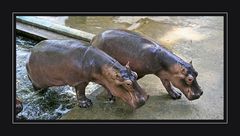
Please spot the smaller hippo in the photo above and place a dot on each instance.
(73, 63)
(148, 57)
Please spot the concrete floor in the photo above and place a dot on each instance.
(199, 39)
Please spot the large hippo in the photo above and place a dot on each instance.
(70, 62)
(148, 57)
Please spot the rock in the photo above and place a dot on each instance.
(19, 106)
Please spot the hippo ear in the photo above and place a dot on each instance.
(190, 62)
(135, 74)
(127, 65)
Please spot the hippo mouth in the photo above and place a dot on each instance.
(131, 98)
(191, 95)
(137, 102)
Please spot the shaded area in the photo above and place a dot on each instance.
(94, 24)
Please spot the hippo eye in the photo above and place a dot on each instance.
(128, 82)
(184, 71)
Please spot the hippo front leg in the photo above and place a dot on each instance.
(172, 92)
(84, 102)
(110, 97)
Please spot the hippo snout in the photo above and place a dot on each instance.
(196, 96)
(141, 103)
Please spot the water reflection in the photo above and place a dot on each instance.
(94, 24)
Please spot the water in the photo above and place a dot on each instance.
(41, 106)
(89, 24)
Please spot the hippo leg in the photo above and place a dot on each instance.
(172, 92)
(35, 88)
(111, 98)
(41, 90)
(84, 102)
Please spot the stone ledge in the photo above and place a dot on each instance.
(60, 29)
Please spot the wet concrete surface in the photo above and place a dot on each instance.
(158, 107)
(199, 39)
(91, 24)
(196, 38)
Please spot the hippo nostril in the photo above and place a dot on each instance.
(196, 96)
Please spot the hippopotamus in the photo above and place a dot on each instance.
(145, 56)
(74, 63)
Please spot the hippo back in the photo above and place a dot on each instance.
(126, 46)
(59, 61)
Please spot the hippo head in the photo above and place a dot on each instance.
(123, 84)
(184, 78)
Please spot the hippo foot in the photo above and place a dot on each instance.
(111, 100)
(40, 90)
(175, 95)
(85, 103)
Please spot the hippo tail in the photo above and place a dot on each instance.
(27, 68)
(28, 72)
(27, 62)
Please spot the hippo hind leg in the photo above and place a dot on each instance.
(84, 102)
(40, 90)
(35, 88)
(172, 92)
